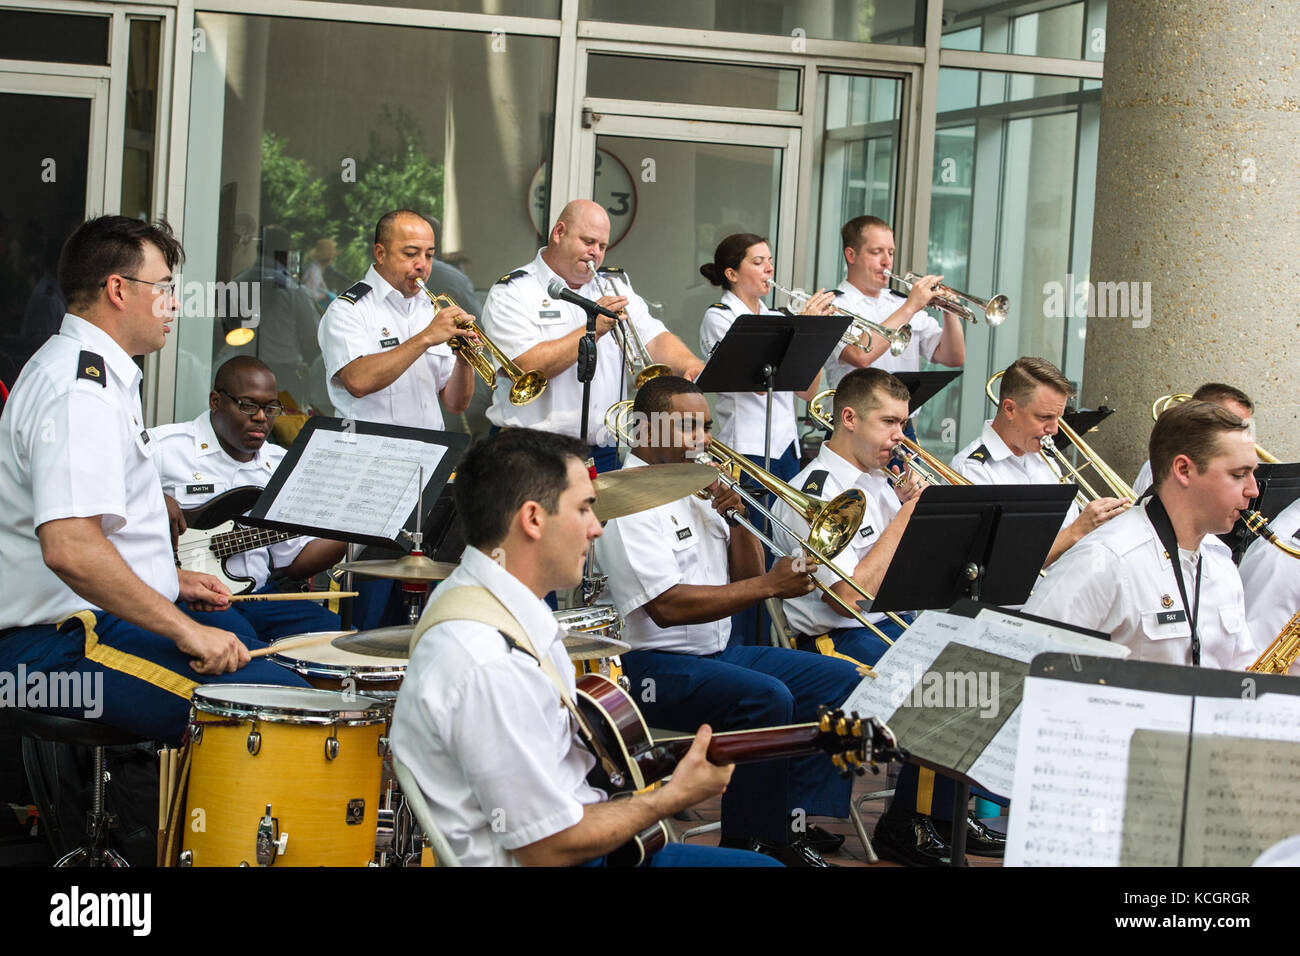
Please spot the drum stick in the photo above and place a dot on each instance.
(296, 596)
(292, 644)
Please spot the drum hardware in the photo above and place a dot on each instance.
(331, 748)
(271, 843)
(186, 858)
(525, 387)
(948, 299)
(254, 743)
(898, 338)
(639, 364)
(356, 811)
(1161, 404)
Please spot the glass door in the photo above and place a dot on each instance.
(674, 188)
(48, 184)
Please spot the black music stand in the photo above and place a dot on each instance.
(1082, 420)
(772, 353)
(925, 385)
(1279, 485)
(984, 542)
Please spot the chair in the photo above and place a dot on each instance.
(414, 798)
(35, 726)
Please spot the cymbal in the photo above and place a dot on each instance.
(392, 642)
(412, 567)
(589, 647)
(625, 492)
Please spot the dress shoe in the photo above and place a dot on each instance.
(980, 840)
(910, 839)
(797, 854)
(822, 840)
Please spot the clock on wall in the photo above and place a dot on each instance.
(615, 190)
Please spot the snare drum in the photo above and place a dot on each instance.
(371, 663)
(288, 776)
(592, 639)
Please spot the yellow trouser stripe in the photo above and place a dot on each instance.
(925, 791)
(129, 664)
(826, 646)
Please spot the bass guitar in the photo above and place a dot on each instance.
(214, 535)
(853, 744)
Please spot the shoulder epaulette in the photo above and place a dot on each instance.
(815, 481)
(511, 276)
(718, 305)
(90, 365)
(358, 291)
(979, 454)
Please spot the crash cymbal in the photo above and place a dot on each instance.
(393, 642)
(590, 647)
(625, 492)
(412, 567)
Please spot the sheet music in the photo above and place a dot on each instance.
(905, 663)
(1072, 769)
(355, 483)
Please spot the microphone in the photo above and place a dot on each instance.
(558, 290)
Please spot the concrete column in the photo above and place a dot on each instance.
(1198, 202)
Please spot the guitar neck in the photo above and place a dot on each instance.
(247, 539)
(736, 746)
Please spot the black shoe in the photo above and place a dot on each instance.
(910, 839)
(796, 854)
(980, 840)
(822, 840)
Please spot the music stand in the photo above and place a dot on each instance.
(1279, 485)
(1082, 420)
(925, 385)
(984, 542)
(772, 353)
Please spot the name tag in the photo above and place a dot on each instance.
(550, 314)
(683, 534)
(144, 436)
(387, 343)
(1171, 617)
(866, 531)
(200, 489)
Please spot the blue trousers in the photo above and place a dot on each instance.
(751, 626)
(271, 620)
(690, 854)
(142, 681)
(747, 687)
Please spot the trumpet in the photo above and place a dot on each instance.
(831, 524)
(1162, 404)
(640, 366)
(947, 298)
(1118, 487)
(525, 387)
(898, 338)
(931, 469)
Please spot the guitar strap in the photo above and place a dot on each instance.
(483, 607)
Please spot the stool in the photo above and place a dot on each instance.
(35, 726)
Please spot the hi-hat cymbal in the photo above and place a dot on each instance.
(625, 492)
(412, 567)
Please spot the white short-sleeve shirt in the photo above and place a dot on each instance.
(1272, 580)
(826, 476)
(926, 332)
(1118, 580)
(195, 468)
(741, 417)
(75, 446)
(520, 313)
(483, 729)
(373, 317)
(645, 554)
(988, 461)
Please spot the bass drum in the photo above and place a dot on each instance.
(284, 776)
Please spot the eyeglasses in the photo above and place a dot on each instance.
(249, 408)
(161, 286)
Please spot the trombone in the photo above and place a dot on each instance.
(525, 387)
(931, 469)
(898, 338)
(640, 366)
(831, 524)
(947, 298)
(1119, 488)
(1162, 404)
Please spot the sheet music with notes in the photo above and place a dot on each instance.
(907, 669)
(1116, 776)
(357, 483)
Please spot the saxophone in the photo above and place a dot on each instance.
(1281, 654)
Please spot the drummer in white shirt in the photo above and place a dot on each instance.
(869, 252)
